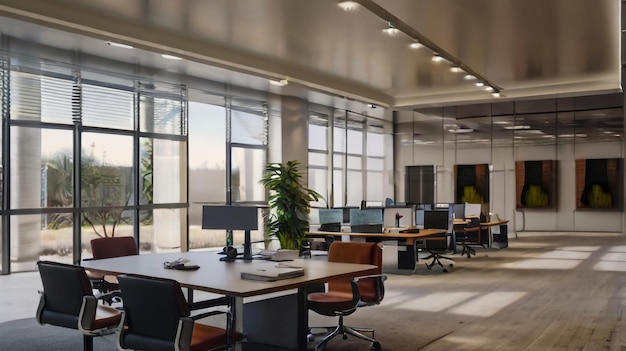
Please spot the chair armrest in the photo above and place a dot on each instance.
(380, 286)
(195, 317)
(220, 301)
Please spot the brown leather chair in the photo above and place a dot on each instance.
(67, 300)
(344, 296)
(157, 317)
(110, 247)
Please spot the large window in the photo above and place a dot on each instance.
(361, 159)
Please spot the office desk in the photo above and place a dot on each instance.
(460, 223)
(224, 278)
(489, 225)
(406, 260)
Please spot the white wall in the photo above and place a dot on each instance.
(502, 181)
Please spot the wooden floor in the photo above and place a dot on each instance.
(545, 292)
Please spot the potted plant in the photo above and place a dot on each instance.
(287, 218)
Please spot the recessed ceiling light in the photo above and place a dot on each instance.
(489, 88)
(119, 45)
(437, 58)
(517, 127)
(456, 69)
(460, 130)
(170, 57)
(391, 30)
(416, 45)
(480, 84)
(371, 105)
(469, 77)
(348, 5)
(280, 83)
(496, 94)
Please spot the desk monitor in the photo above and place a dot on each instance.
(330, 227)
(233, 218)
(366, 216)
(437, 219)
(330, 215)
(398, 216)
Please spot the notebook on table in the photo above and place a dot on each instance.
(271, 272)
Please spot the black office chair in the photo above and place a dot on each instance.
(157, 317)
(437, 247)
(469, 234)
(344, 296)
(67, 301)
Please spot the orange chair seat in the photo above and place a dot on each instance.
(329, 303)
(105, 317)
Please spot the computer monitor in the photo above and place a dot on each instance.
(398, 216)
(437, 219)
(472, 210)
(330, 215)
(366, 216)
(232, 218)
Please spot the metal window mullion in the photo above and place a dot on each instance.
(229, 171)
(136, 166)
(6, 190)
(76, 156)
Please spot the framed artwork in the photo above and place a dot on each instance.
(599, 183)
(472, 184)
(535, 184)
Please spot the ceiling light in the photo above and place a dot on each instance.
(489, 88)
(391, 30)
(460, 130)
(496, 94)
(437, 58)
(371, 105)
(480, 84)
(280, 83)
(119, 45)
(416, 45)
(456, 69)
(517, 127)
(469, 77)
(348, 5)
(170, 57)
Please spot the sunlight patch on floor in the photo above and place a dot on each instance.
(488, 304)
(565, 254)
(539, 263)
(617, 248)
(436, 302)
(610, 266)
(580, 248)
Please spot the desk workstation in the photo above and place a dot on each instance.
(224, 278)
(407, 259)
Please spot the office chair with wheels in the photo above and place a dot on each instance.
(157, 317)
(67, 300)
(344, 296)
(437, 248)
(110, 247)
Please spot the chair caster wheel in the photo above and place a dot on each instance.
(376, 346)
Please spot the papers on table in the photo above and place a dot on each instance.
(271, 272)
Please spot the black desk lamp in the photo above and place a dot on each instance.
(232, 218)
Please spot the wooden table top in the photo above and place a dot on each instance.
(225, 277)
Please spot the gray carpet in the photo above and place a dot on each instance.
(27, 335)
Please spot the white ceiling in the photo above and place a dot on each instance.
(529, 48)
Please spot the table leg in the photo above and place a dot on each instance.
(303, 319)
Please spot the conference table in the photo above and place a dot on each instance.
(224, 278)
(406, 259)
